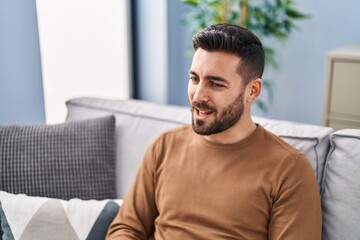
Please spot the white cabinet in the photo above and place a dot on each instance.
(342, 91)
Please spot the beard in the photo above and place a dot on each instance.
(225, 119)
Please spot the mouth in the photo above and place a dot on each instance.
(201, 113)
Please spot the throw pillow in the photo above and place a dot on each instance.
(24, 217)
(71, 160)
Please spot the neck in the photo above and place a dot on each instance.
(239, 131)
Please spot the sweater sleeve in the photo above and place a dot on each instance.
(135, 219)
(296, 212)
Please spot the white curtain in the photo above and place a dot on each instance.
(84, 47)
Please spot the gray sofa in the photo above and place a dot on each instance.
(334, 156)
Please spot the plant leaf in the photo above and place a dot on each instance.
(191, 2)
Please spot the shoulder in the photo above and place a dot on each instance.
(175, 134)
(183, 129)
(286, 157)
(278, 143)
(167, 144)
(171, 137)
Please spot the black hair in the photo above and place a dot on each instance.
(235, 40)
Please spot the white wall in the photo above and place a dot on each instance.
(84, 51)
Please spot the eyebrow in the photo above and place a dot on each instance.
(210, 77)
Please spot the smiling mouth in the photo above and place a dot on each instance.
(203, 112)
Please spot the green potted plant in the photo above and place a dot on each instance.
(266, 18)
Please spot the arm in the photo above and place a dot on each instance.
(135, 219)
(296, 213)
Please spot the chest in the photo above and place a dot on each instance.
(226, 189)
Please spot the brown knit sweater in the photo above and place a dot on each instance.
(190, 188)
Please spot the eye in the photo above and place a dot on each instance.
(194, 79)
(216, 85)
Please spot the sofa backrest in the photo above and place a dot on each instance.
(340, 194)
(139, 122)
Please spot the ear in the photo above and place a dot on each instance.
(254, 90)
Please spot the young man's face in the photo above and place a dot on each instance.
(215, 91)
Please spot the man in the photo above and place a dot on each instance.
(224, 177)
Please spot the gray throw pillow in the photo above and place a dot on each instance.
(65, 161)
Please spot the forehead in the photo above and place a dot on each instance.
(215, 62)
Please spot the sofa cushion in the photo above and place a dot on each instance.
(137, 124)
(25, 217)
(310, 139)
(341, 187)
(72, 160)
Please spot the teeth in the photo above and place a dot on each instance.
(204, 112)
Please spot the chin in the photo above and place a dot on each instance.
(198, 126)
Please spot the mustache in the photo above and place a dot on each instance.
(202, 105)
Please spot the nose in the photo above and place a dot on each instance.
(201, 93)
